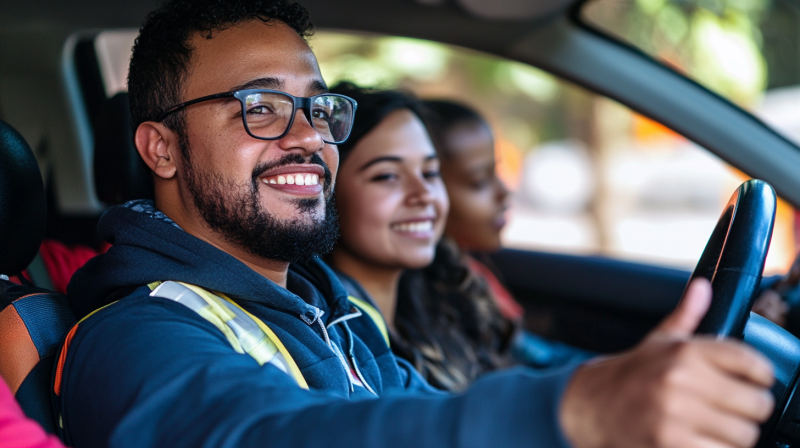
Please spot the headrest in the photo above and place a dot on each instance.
(23, 208)
(119, 173)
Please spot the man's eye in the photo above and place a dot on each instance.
(320, 114)
(259, 110)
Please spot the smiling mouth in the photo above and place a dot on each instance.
(292, 179)
(414, 227)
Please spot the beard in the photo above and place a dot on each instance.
(235, 211)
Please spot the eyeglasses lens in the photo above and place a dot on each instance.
(268, 115)
(332, 117)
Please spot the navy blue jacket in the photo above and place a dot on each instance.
(149, 372)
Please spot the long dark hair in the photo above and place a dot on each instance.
(448, 324)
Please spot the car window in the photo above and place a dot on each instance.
(589, 175)
(747, 51)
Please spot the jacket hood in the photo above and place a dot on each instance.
(145, 250)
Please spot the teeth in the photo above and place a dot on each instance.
(414, 227)
(294, 179)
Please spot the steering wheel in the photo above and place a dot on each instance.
(733, 261)
(734, 257)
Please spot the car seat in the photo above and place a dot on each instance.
(97, 62)
(120, 174)
(33, 321)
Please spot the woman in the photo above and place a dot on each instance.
(478, 202)
(393, 209)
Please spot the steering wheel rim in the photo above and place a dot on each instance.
(733, 260)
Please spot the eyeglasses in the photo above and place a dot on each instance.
(269, 114)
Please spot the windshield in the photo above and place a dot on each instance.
(745, 50)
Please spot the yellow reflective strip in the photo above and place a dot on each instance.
(373, 314)
(264, 352)
(208, 313)
(219, 309)
(295, 371)
(272, 341)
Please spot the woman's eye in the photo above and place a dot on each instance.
(384, 177)
(432, 174)
(480, 184)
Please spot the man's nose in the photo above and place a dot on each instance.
(302, 134)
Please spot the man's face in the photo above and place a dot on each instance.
(228, 175)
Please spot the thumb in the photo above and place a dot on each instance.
(690, 311)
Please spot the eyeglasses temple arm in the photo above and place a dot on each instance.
(194, 101)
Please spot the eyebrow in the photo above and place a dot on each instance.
(261, 83)
(316, 86)
(393, 159)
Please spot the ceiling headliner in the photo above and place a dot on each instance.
(479, 24)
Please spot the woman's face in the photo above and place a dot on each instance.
(391, 200)
(478, 198)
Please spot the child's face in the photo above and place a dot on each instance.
(478, 198)
(391, 200)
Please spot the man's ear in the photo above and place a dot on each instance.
(157, 145)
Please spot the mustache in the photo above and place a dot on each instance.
(293, 159)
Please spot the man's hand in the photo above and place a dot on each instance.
(674, 390)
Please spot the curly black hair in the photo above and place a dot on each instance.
(162, 54)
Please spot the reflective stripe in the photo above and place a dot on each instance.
(245, 332)
(373, 314)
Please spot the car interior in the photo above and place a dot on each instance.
(60, 169)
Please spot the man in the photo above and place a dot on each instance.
(243, 184)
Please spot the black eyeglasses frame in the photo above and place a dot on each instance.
(303, 103)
